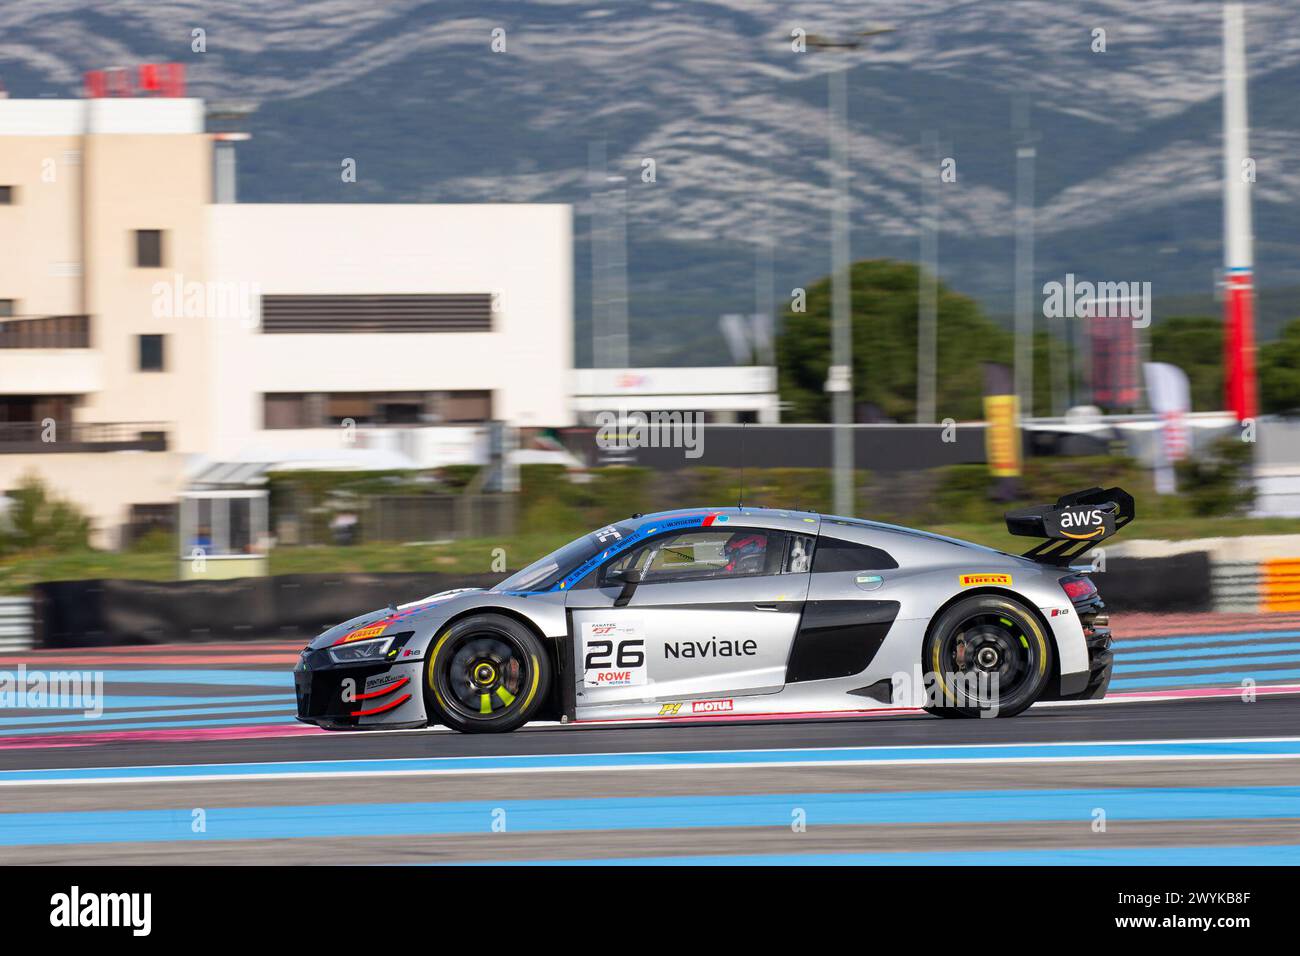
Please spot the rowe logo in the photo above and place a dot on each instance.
(712, 706)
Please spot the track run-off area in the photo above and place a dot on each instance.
(196, 758)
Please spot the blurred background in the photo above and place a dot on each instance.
(315, 289)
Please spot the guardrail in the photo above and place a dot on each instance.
(39, 437)
(16, 624)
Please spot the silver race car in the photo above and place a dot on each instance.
(742, 612)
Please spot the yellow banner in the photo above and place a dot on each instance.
(1002, 439)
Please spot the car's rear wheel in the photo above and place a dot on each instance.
(486, 674)
(986, 655)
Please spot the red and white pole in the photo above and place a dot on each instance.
(1241, 391)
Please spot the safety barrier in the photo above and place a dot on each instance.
(98, 613)
(1279, 584)
(1266, 586)
(16, 624)
(1176, 583)
(1236, 586)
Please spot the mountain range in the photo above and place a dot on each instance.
(1127, 174)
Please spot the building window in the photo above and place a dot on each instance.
(148, 248)
(149, 519)
(151, 353)
(8, 195)
(465, 407)
(8, 308)
(327, 409)
(442, 312)
(284, 411)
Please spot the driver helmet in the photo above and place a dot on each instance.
(741, 545)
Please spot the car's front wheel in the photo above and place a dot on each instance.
(986, 655)
(487, 673)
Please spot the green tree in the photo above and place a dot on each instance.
(1195, 344)
(1217, 481)
(1279, 371)
(36, 520)
(884, 302)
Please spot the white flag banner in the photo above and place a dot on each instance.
(1170, 398)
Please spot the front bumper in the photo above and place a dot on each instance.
(374, 695)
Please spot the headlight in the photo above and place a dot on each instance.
(371, 650)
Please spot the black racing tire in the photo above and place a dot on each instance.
(486, 674)
(979, 638)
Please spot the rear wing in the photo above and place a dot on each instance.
(1077, 522)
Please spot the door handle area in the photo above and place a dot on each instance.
(766, 607)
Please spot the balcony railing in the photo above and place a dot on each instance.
(35, 437)
(45, 332)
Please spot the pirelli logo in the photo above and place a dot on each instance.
(373, 631)
(975, 580)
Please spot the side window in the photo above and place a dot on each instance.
(834, 554)
(799, 554)
(705, 554)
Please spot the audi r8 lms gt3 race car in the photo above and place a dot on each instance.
(737, 611)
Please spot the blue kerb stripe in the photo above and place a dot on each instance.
(92, 723)
(649, 813)
(1121, 667)
(1124, 644)
(94, 727)
(1117, 856)
(1235, 651)
(116, 702)
(236, 678)
(685, 759)
(1201, 680)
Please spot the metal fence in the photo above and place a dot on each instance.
(69, 437)
(437, 517)
(16, 624)
(46, 332)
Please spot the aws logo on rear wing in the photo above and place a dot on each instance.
(1080, 524)
(1074, 524)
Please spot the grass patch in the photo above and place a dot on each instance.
(19, 572)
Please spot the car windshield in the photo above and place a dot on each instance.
(544, 573)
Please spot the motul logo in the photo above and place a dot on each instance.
(712, 706)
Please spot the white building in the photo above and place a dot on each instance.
(147, 331)
(388, 316)
(723, 394)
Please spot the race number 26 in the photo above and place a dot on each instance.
(625, 653)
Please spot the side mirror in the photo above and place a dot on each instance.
(630, 578)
